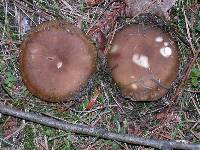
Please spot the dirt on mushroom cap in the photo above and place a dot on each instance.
(145, 61)
(56, 60)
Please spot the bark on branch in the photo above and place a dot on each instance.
(97, 132)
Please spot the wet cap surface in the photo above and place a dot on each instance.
(56, 60)
(145, 61)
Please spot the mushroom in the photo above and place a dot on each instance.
(144, 61)
(56, 60)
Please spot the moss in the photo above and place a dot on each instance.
(29, 137)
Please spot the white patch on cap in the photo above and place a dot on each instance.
(32, 56)
(140, 60)
(134, 86)
(166, 51)
(132, 77)
(59, 65)
(114, 49)
(159, 39)
(166, 43)
(35, 50)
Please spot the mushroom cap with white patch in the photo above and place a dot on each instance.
(144, 62)
(56, 60)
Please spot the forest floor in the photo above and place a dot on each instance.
(147, 119)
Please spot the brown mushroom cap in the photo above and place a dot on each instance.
(144, 61)
(56, 60)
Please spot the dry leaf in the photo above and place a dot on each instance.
(158, 7)
(10, 127)
(92, 101)
(98, 36)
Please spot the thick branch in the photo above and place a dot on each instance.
(98, 132)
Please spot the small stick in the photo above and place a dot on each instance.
(193, 91)
(97, 132)
(179, 90)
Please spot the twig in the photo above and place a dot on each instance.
(98, 132)
(195, 105)
(189, 39)
(43, 13)
(192, 91)
(179, 89)
(6, 142)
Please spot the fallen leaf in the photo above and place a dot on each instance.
(10, 126)
(161, 116)
(98, 36)
(157, 7)
(92, 101)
